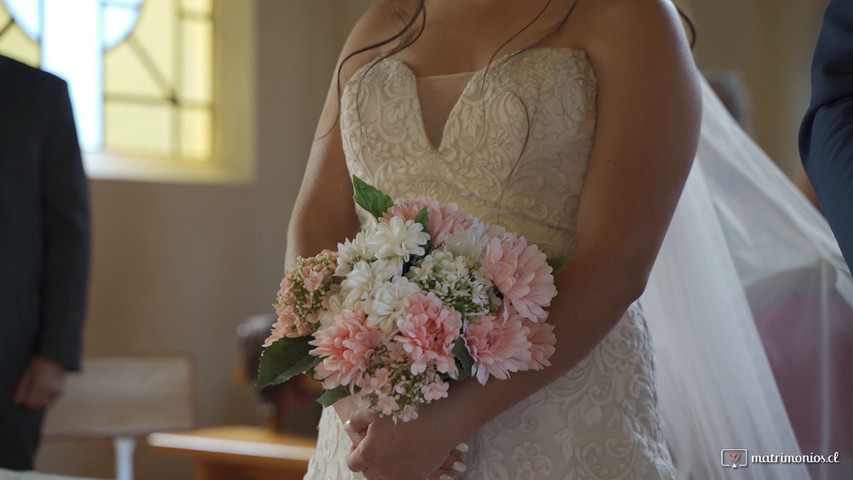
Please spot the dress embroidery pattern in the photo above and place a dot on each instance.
(514, 152)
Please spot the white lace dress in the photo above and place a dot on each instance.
(514, 151)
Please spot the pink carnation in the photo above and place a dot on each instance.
(347, 347)
(428, 331)
(442, 219)
(522, 274)
(497, 348)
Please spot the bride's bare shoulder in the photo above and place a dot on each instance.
(380, 22)
(628, 27)
(605, 17)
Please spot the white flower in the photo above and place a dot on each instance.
(334, 307)
(359, 283)
(397, 239)
(386, 304)
(471, 242)
(455, 281)
(352, 251)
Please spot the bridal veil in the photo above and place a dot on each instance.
(749, 283)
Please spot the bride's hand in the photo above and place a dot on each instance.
(345, 409)
(403, 451)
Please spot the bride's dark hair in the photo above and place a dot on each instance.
(409, 34)
(419, 16)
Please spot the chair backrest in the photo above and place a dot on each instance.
(125, 396)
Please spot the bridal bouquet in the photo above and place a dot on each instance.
(423, 295)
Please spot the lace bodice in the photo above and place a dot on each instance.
(514, 150)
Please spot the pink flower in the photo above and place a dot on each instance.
(379, 383)
(408, 414)
(522, 274)
(318, 270)
(347, 347)
(428, 331)
(435, 391)
(280, 330)
(442, 219)
(314, 279)
(386, 404)
(497, 348)
(288, 324)
(542, 341)
(302, 296)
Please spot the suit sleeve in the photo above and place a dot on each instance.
(66, 238)
(826, 135)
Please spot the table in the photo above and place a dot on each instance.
(12, 475)
(238, 452)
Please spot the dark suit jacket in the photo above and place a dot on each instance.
(826, 135)
(44, 223)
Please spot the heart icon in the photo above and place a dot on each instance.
(734, 456)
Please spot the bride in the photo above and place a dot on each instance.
(574, 123)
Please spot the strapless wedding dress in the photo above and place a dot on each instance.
(513, 151)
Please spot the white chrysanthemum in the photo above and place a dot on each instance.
(454, 281)
(471, 242)
(351, 252)
(334, 306)
(397, 239)
(386, 304)
(359, 283)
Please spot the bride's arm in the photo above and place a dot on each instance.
(324, 211)
(646, 135)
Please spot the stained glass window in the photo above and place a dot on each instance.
(140, 71)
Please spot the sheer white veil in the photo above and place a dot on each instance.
(747, 266)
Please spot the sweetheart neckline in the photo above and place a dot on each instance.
(410, 74)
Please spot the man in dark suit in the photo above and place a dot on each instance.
(826, 136)
(44, 253)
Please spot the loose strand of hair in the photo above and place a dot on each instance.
(419, 12)
(691, 27)
(408, 24)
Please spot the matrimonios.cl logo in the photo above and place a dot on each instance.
(734, 457)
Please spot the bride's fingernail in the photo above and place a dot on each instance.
(462, 447)
(445, 476)
(347, 426)
(459, 467)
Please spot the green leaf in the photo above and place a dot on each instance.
(329, 397)
(423, 218)
(464, 361)
(557, 263)
(371, 198)
(285, 359)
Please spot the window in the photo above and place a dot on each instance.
(141, 75)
